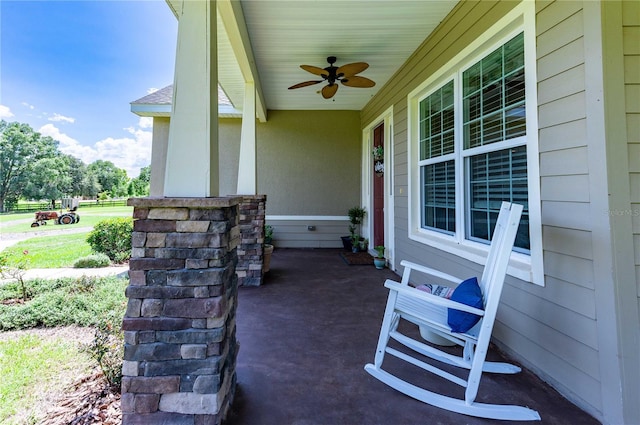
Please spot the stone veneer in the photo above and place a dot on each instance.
(251, 248)
(179, 327)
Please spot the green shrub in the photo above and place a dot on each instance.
(92, 261)
(85, 301)
(112, 237)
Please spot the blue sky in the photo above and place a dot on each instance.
(70, 68)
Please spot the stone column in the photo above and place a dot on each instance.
(180, 345)
(251, 248)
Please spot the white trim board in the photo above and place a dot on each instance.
(307, 217)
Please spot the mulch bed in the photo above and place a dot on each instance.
(90, 401)
(357, 258)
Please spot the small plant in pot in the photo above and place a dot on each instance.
(268, 234)
(379, 261)
(356, 214)
(355, 242)
(268, 247)
(364, 244)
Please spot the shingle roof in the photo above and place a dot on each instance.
(158, 97)
(164, 96)
(159, 103)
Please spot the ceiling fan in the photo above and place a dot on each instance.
(346, 74)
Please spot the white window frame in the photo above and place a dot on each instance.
(525, 266)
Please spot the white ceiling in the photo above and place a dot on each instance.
(284, 34)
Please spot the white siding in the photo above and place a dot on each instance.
(295, 233)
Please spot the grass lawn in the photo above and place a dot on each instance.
(59, 251)
(11, 217)
(31, 368)
(39, 364)
(46, 252)
(21, 223)
(36, 363)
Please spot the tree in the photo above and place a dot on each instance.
(111, 178)
(139, 186)
(49, 179)
(20, 149)
(90, 185)
(77, 173)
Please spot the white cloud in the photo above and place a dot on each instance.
(69, 145)
(5, 112)
(58, 118)
(145, 122)
(127, 153)
(152, 90)
(27, 105)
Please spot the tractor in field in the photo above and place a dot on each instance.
(69, 217)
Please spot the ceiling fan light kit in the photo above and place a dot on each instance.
(346, 74)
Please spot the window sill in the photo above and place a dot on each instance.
(519, 267)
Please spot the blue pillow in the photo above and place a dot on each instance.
(469, 293)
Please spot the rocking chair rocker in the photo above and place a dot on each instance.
(431, 312)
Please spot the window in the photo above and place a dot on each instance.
(495, 177)
(438, 174)
(473, 144)
(493, 113)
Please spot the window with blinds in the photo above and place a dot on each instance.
(495, 177)
(493, 99)
(488, 151)
(437, 144)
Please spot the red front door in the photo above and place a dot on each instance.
(378, 192)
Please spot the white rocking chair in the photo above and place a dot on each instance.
(430, 312)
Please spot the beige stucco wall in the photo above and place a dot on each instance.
(159, 143)
(572, 331)
(308, 161)
(229, 148)
(309, 168)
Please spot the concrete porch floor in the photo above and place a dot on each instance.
(306, 334)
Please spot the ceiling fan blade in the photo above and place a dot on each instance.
(358, 82)
(352, 69)
(305, 84)
(315, 70)
(329, 91)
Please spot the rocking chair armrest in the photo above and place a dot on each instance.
(408, 265)
(430, 298)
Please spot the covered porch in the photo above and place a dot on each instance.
(306, 334)
(570, 306)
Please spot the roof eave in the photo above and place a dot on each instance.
(149, 110)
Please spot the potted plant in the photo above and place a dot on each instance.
(355, 242)
(268, 247)
(356, 214)
(364, 244)
(268, 234)
(379, 261)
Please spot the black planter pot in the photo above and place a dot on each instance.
(346, 242)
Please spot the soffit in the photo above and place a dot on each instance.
(284, 34)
